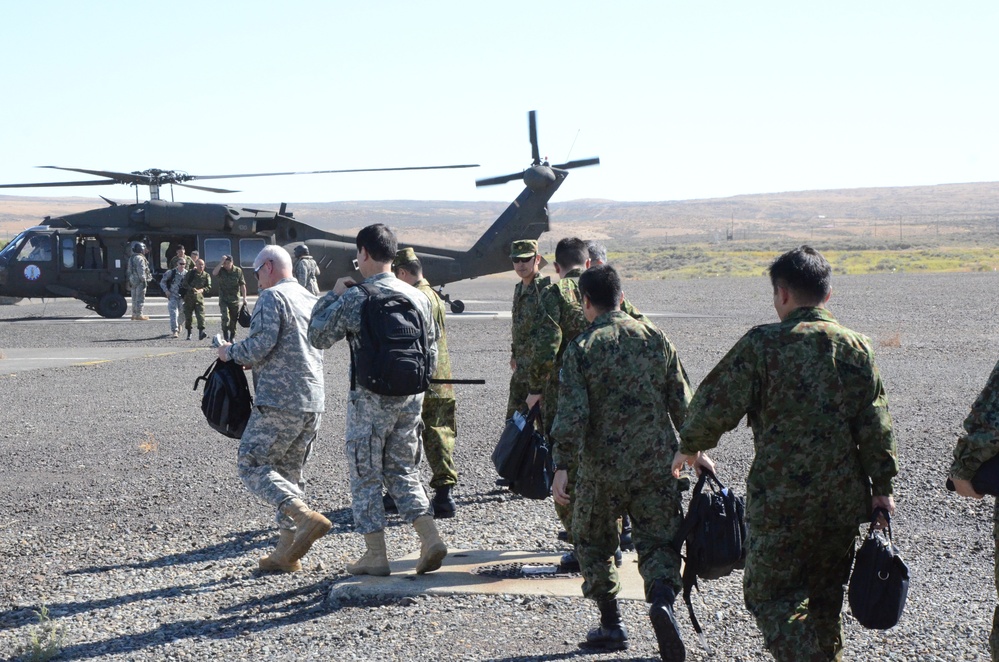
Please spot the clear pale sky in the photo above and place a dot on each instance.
(679, 100)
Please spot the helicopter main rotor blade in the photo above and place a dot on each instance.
(492, 181)
(532, 125)
(91, 182)
(119, 177)
(205, 188)
(580, 163)
(328, 172)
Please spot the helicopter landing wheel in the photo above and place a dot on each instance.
(457, 306)
(111, 305)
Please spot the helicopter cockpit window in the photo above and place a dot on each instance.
(12, 246)
(248, 251)
(215, 249)
(68, 245)
(37, 249)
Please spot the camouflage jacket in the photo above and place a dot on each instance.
(822, 432)
(337, 317)
(443, 369)
(307, 272)
(621, 386)
(171, 283)
(626, 307)
(138, 270)
(196, 281)
(980, 441)
(287, 370)
(229, 284)
(563, 321)
(528, 317)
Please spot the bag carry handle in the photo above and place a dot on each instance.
(205, 376)
(874, 521)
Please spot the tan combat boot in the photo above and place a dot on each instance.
(374, 561)
(432, 548)
(278, 561)
(310, 526)
(142, 318)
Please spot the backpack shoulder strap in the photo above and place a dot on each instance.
(205, 376)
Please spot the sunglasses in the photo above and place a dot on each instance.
(256, 272)
(523, 260)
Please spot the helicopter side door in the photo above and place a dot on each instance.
(33, 268)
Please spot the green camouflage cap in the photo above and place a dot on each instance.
(404, 256)
(524, 248)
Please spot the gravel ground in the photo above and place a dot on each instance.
(124, 517)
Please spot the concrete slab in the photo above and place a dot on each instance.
(485, 571)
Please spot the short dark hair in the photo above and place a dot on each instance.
(602, 286)
(571, 252)
(379, 241)
(415, 267)
(597, 251)
(804, 272)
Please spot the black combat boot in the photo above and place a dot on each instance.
(664, 622)
(201, 334)
(442, 503)
(188, 334)
(611, 635)
(627, 544)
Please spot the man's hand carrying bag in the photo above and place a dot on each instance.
(880, 580)
(523, 457)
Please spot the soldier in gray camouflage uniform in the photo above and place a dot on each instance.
(979, 444)
(306, 270)
(138, 279)
(171, 283)
(825, 455)
(621, 391)
(288, 405)
(383, 431)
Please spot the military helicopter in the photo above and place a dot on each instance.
(85, 255)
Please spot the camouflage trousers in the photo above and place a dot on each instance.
(383, 448)
(175, 308)
(230, 311)
(518, 392)
(138, 298)
(196, 308)
(439, 429)
(793, 586)
(653, 501)
(272, 455)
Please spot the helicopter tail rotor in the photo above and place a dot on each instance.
(538, 174)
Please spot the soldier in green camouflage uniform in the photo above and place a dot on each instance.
(979, 444)
(622, 390)
(439, 424)
(196, 282)
(289, 399)
(528, 316)
(825, 455)
(563, 321)
(598, 256)
(232, 286)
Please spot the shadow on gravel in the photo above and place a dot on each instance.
(107, 340)
(258, 615)
(571, 654)
(240, 544)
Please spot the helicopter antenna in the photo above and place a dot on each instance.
(573, 144)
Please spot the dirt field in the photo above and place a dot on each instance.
(125, 517)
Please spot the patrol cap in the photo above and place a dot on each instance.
(524, 248)
(404, 256)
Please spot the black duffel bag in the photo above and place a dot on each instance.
(879, 584)
(226, 402)
(523, 457)
(243, 316)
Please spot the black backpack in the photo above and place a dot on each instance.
(715, 531)
(393, 356)
(226, 402)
